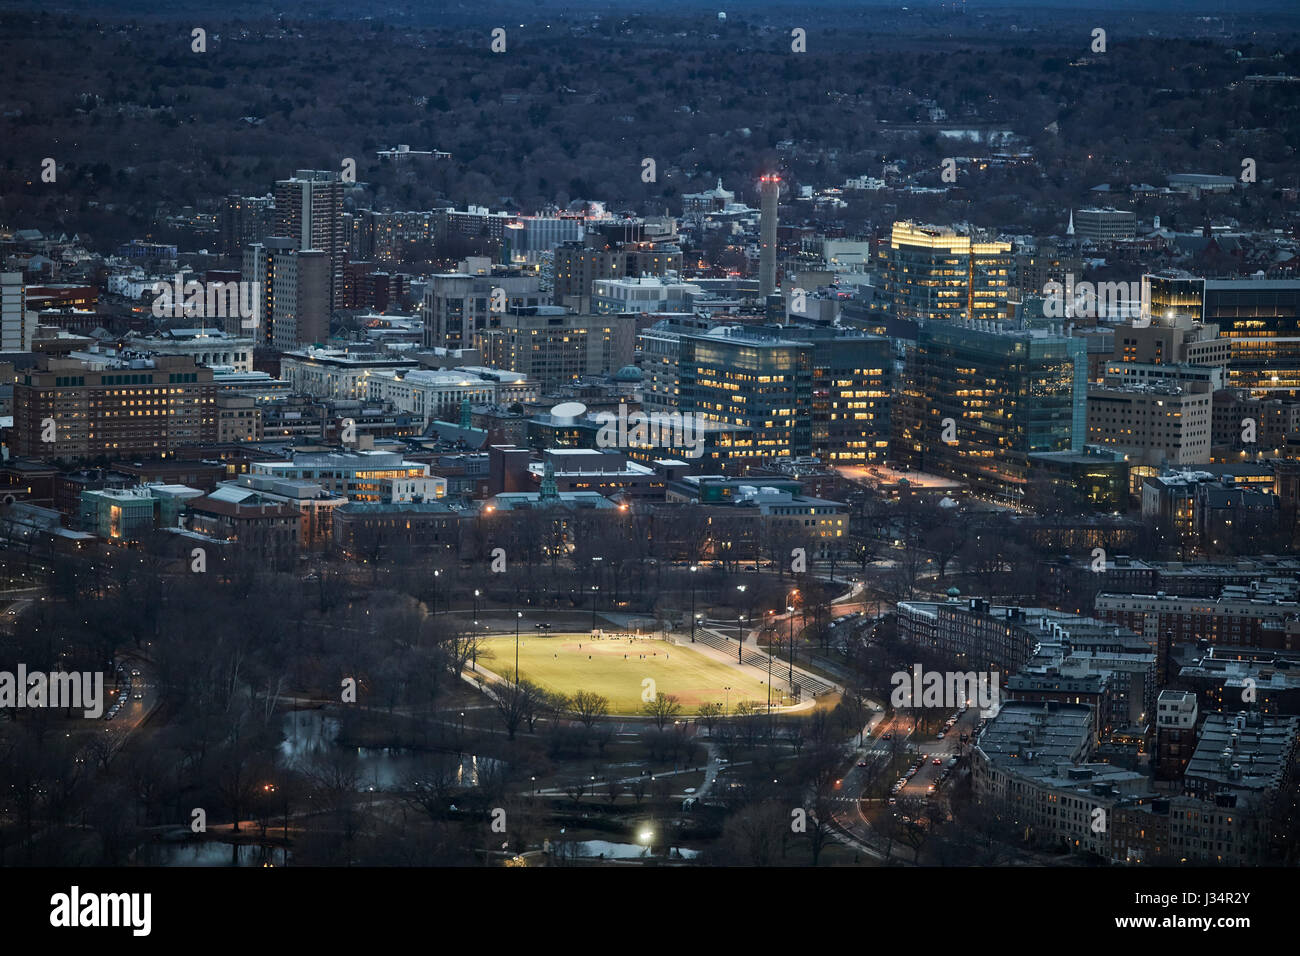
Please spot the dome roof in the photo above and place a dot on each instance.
(628, 373)
(954, 592)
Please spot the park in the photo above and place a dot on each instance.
(616, 666)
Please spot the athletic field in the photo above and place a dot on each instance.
(616, 667)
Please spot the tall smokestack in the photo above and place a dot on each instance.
(770, 186)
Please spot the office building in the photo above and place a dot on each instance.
(936, 273)
(527, 238)
(139, 408)
(643, 294)
(754, 378)
(852, 395)
(1155, 423)
(457, 306)
(554, 348)
(978, 399)
(612, 250)
(1261, 320)
(1177, 339)
(17, 324)
(334, 373)
(1102, 225)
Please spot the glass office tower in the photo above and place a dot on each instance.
(751, 378)
(979, 400)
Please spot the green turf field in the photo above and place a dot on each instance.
(556, 663)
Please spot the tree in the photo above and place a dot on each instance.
(589, 707)
(514, 702)
(709, 712)
(662, 709)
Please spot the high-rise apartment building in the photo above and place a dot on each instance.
(388, 236)
(293, 288)
(245, 219)
(937, 273)
(1035, 269)
(309, 210)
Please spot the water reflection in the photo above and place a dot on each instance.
(211, 853)
(603, 849)
(312, 736)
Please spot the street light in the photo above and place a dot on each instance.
(740, 638)
(694, 568)
(436, 572)
(518, 616)
(594, 589)
(476, 594)
(769, 688)
(726, 706)
(790, 614)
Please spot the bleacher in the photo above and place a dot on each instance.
(803, 682)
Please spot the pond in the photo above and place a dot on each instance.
(311, 736)
(210, 853)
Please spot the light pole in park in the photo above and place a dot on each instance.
(518, 617)
(594, 589)
(789, 610)
(769, 686)
(740, 637)
(477, 592)
(436, 572)
(694, 568)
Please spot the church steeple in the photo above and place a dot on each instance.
(1069, 230)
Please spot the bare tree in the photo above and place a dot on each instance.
(589, 707)
(662, 709)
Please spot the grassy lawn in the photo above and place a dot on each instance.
(616, 669)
